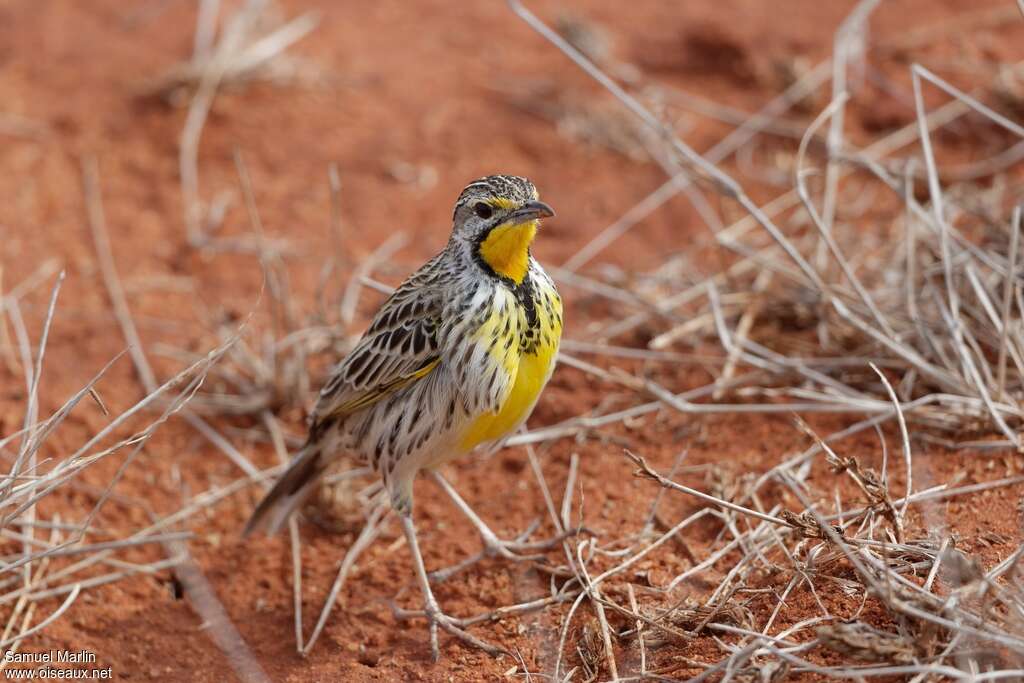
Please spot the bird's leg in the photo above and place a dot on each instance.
(493, 545)
(431, 610)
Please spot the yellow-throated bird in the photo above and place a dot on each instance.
(455, 358)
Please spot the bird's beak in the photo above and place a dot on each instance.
(531, 211)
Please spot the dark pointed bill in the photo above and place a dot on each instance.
(531, 211)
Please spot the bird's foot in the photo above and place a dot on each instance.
(436, 618)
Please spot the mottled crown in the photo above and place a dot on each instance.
(515, 189)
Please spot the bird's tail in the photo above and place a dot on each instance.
(290, 491)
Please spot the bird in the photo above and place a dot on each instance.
(452, 362)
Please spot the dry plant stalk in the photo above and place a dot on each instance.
(936, 307)
(243, 49)
(19, 494)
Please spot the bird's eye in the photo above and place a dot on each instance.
(483, 210)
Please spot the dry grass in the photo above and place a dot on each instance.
(30, 575)
(250, 46)
(936, 303)
(920, 332)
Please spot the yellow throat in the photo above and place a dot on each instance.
(506, 249)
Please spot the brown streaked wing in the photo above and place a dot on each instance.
(401, 346)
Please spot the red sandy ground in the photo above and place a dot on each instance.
(403, 84)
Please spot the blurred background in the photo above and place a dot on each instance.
(224, 192)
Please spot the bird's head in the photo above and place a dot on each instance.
(498, 217)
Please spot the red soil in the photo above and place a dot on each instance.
(400, 85)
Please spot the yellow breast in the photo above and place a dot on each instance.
(530, 370)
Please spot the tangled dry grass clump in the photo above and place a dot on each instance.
(877, 284)
(33, 541)
(814, 316)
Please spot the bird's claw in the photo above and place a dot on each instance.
(435, 618)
